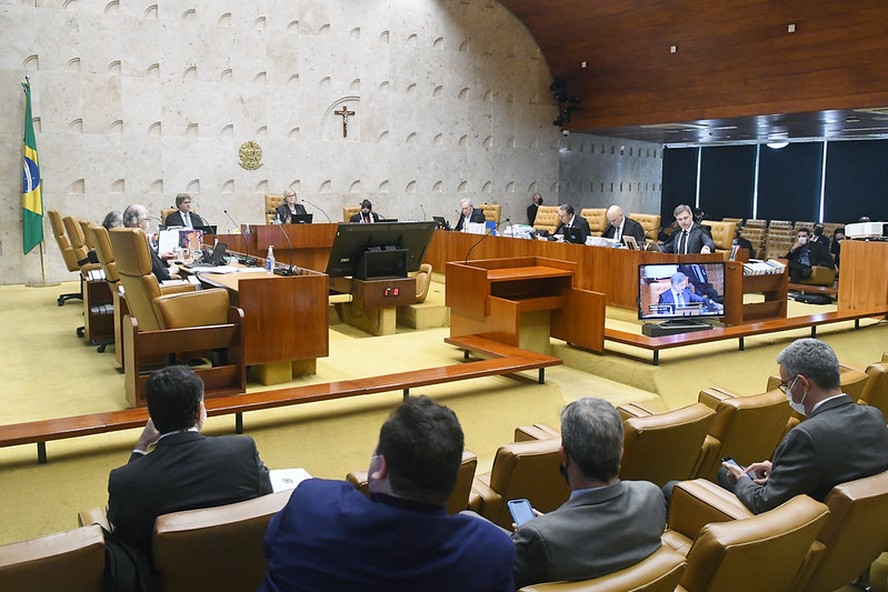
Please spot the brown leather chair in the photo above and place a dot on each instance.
(459, 498)
(423, 281)
(665, 446)
(730, 556)
(820, 276)
(547, 218)
(650, 223)
(164, 213)
(722, 235)
(169, 324)
(747, 429)
(348, 212)
(659, 572)
(215, 548)
(597, 219)
(68, 256)
(492, 212)
(875, 392)
(70, 561)
(272, 203)
(520, 470)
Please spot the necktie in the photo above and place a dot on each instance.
(683, 243)
(617, 234)
(679, 299)
(186, 220)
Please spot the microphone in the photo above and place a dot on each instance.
(246, 259)
(318, 208)
(289, 270)
(477, 242)
(236, 225)
(424, 216)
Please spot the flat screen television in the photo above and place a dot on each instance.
(684, 292)
(388, 249)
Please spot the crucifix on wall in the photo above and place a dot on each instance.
(345, 114)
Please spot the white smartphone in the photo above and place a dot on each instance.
(521, 511)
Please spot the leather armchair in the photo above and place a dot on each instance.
(423, 281)
(63, 561)
(722, 234)
(521, 470)
(492, 212)
(875, 392)
(745, 428)
(216, 548)
(820, 276)
(597, 219)
(547, 218)
(659, 572)
(68, 256)
(650, 223)
(459, 498)
(349, 211)
(164, 213)
(170, 324)
(272, 203)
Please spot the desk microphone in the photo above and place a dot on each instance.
(236, 225)
(289, 270)
(486, 234)
(318, 208)
(246, 259)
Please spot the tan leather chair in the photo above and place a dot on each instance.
(875, 392)
(650, 223)
(722, 234)
(70, 561)
(659, 572)
(459, 498)
(164, 213)
(853, 537)
(547, 219)
(665, 446)
(492, 212)
(169, 324)
(597, 219)
(272, 203)
(521, 470)
(68, 256)
(215, 548)
(730, 556)
(349, 211)
(747, 429)
(423, 281)
(820, 276)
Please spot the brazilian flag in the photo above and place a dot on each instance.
(32, 192)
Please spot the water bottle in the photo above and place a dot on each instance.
(269, 260)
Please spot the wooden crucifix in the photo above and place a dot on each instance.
(344, 113)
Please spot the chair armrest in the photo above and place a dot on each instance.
(94, 515)
(491, 501)
(696, 503)
(360, 481)
(715, 395)
(631, 410)
(537, 431)
(176, 288)
(194, 309)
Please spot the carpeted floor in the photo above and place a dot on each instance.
(48, 372)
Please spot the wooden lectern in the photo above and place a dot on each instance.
(522, 301)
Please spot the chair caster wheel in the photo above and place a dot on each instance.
(80, 332)
(101, 349)
(61, 301)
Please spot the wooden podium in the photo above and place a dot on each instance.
(522, 301)
(863, 275)
(773, 286)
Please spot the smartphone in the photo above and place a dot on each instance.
(731, 461)
(521, 511)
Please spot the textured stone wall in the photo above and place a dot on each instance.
(137, 101)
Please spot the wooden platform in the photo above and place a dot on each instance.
(505, 359)
(739, 332)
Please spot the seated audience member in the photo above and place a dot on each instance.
(743, 243)
(285, 212)
(536, 202)
(570, 220)
(836, 246)
(679, 294)
(819, 237)
(699, 278)
(113, 219)
(366, 215)
(186, 470)
(331, 537)
(689, 237)
(468, 214)
(804, 254)
(619, 226)
(607, 524)
(839, 441)
(136, 216)
(183, 216)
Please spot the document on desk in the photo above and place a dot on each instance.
(284, 479)
(223, 269)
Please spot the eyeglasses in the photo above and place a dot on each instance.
(787, 384)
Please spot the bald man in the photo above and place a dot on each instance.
(619, 226)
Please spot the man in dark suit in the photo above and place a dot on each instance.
(570, 220)
(743, 243)
(607, 524)
(332, 537)
(819, 237)
(366, 215)
(183, 216)
(839, 441)
(619, 226)
(699, 278)
(804, 254)
(537, 201)
(680, 295)
(688, 237)
(186, 470)
(475, 215)
(136, 216)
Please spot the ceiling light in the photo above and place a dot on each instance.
(777, 145)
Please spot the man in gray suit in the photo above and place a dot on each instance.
(607, 524)
(839, 441)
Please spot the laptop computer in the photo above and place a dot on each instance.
(301, 218)
(207, 229)
(630, 242)
(574, 235)
(213, 260)
(441, 222)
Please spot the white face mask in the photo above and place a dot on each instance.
(803, 240)
(797, 407)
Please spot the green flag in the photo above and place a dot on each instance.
(32, 192)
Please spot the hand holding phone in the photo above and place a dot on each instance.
(521, 511)
(734, 463)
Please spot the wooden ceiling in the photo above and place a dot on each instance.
(685, 71)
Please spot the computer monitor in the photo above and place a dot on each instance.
(381, 241)
(574, 235)
(702, 295)
(301, 218)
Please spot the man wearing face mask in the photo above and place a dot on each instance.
(819, 238)
(607, 524)
(838, 442)
(804, 254)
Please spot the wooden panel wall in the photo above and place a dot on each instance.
(733, 59)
